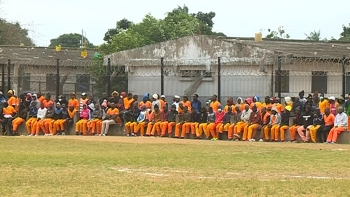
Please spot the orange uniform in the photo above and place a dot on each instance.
(215, 105)
(127, 102)
(147, 104)
(74, 103)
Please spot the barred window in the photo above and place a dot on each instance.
(284, 81)
(319, 81)
(50, 82)
(82, 83)
(195, 73)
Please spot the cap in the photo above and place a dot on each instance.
(176, 96)
(288, 108)
(83, 94)
(1, 93)
(72, 93)
(331, 98)
(34, 95)
(274, 109)
(115, 92)
(155, 96)
(184, 96)
(10, 92)
(163, 96)
(196, 95)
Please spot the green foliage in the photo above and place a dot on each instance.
(70, 40)
(279, 34)
(123, 24)
(345, 35)
(14, 34)
(315, 36)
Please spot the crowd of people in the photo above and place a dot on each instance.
(315, 118)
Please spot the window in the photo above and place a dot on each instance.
(82, 83)
(284, 81)
(195, 73)
(347, 83)
(50, 82)
(319, 81)
(25, 82)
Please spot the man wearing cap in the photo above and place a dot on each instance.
(333, 105)
(163, 101)
(82, 101)
(176, 102)
(196, 104)
(114, 99)
(12, 101)
(73, 101)
(155, 101)
(284, 124)
(340, 125)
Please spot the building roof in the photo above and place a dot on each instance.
(42, 55)
(299, 48)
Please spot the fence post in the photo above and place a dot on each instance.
(344, 62)
(279, 79)
(162, 76)
(3, 77)
(57, 78)
(8, 75)
(108, 77)
(219, 79)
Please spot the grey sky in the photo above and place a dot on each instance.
(48, 19)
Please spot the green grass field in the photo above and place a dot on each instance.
(121, 166)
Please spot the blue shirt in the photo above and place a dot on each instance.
(196, 104)
(33, 111)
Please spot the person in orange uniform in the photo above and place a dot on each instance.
(59, 125)
(243, 123)
(265, 120)
(12, 100)
(55, 126)
(273, 126)
(145, 102)
(33, 112)
(340, 125)
(240, 104)
(48, 121)
(110, 119)
(163, 101)
(73, 101)
(41, 98)
(69, 118)
(40, 119)
(185, 124)
(132, 117)
(277, 104)
(284, 123)
(9, 112)
(216, 129)
(146, 115)
(256, 101)
(186, 103)
(297, 122)
(20, 118)
(154, 126)
(230, 105)
(81, 125)
(169, 123)
(253, 124)
(267, 103)
(164, 120)
(236, 119)
(214, 103)
(127, 101)
(323, 131)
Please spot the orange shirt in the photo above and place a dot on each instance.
(279, 108)
(329, 120)
(74, 103)
(47, 103)
(233, 108)
(112, 112)
(41, 99)
(147, 104)
(187, 104)
(12, 101)
(258, 105)
(72, 113)
(266, 105)
(323, 105)
(265, 118)
(127, 102)
(214, 105)
(241, 106)
(273, 119)
(9, 110)
(162, 104)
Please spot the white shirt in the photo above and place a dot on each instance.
(156, 102)
(41, 113)
(177, 105)
(246, 115)
(341, 120)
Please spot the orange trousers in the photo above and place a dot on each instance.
(282, 132)
(239, 127)
(194, 128)
(36, 127)
(293, 132)
(209, 129)
(333, 134)
(185, 129)
(219, 127)
(30, 125)
(16, 122)
(130, 127)
(149, 128)
(248, 131)
(140, 127)
(273, 129)
(167, 126)
(58, 125)
(201, 128)
(156, 128)
(81, 126)
(95, 126)
(230, 133)
(46, 125)
(313, 132)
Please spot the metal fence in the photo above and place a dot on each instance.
(227, 77)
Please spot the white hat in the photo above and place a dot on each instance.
(83, 94)
(155, 96)
(163, 96)
(34, 95)
(274, 109)
(331, 98)
(1, 93)
(176, 96)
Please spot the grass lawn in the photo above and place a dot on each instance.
(121, 166)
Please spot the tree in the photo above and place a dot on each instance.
(123, 24)
(279, 34)
(345, 35)
(14, 34)
(315, 36)
(70, 40)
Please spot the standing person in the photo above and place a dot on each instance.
(307, 121)
(170, 122)
(267, 103)
(70, 118)
(340, 125)
(20, 118)
(297, 105)
(62, 100)
(230, 105)
(323, 131)
(40, 119)
(46, 123)
(202, 122)
(73, 101)
(55, 127)
(284, 123)
(48, 101)
(210, 122)
(41, 98)
(219, 120)
(214, 103)
(317, 122)
(33, 112)
(127, 101)
(273, 126)
(155, 101)
(177, 102)
(111, 119)
(333, 105)
(196, 104)
(253, 124)
(8, 113)
(133, 113)
(81, 125)
(323, 104)
(83, 101)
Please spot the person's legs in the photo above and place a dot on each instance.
(274, 132)
(109, 123)
(29, 125)
(325, 132)
(103, 130)
(171, 125)
(337, 131)
(3, 124)
(84, 127)
(266, 132)
(52, 129)
(9, 124)
(127, 128)
(330, 135)
(99, 126)
(230, 131)
(245, 133)
(252, 128)
(16, 122)
(164, 127)
(212, 127)
(301, 130)
(293, 132)
(313, 132)
(177, 129)
(282, 132)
